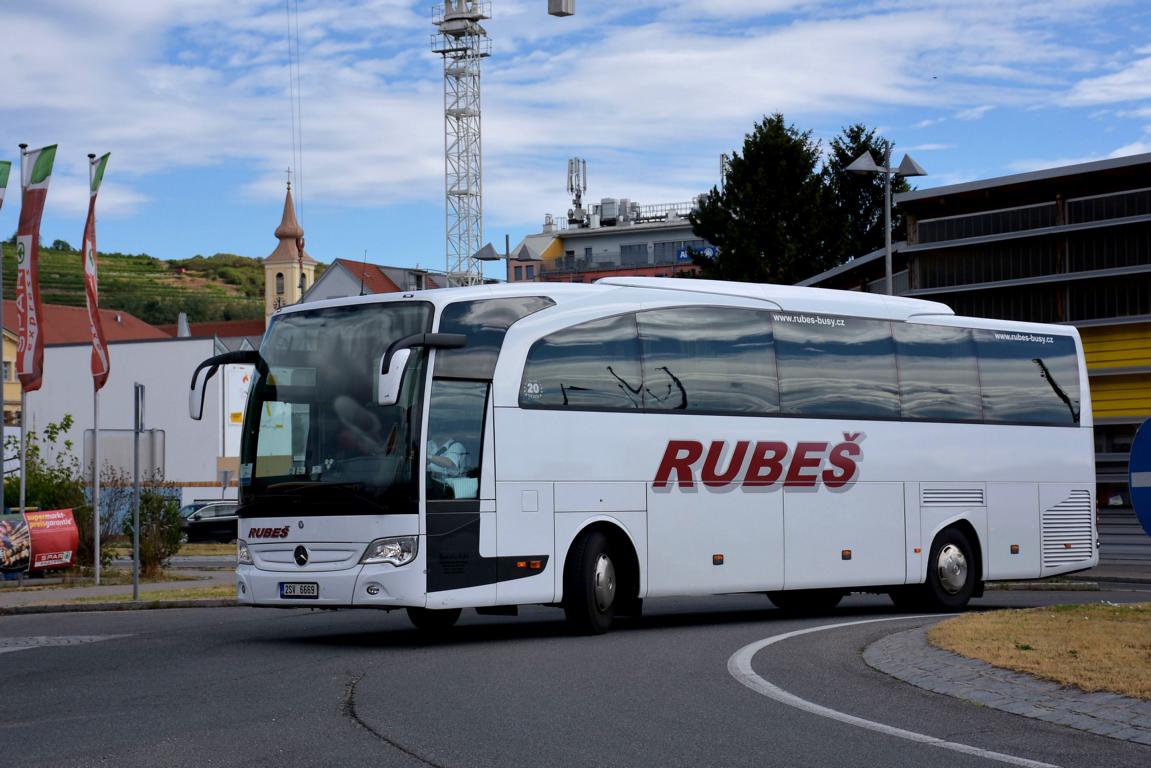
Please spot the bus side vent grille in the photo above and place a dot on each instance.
(1067, 530)
(952, 497)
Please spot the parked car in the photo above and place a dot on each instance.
(208, 521)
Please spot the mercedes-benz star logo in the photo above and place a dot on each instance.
(301, 556)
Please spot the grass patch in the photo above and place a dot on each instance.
(188, 550)
(108, 577)
(1096, 647)
(201, 550)
(217, 592)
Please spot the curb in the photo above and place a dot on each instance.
(1042, 586)
(139, 605)
(909, 657)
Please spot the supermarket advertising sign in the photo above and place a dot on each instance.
(38, 541)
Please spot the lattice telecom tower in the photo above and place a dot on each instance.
(463, 43)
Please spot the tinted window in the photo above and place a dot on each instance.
(594, 365)
(835, 366)
(484, 323)
(708, 359)
(455, 439)
(938, 372)
(1028, 378)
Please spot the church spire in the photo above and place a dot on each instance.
(290, 235)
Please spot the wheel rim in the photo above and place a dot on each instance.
(952, 567)
(604, 588)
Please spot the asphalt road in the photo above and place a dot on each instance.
(259, 687)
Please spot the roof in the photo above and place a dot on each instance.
(223, 329)
(1132, 170)
(69, 325)
(372, 276)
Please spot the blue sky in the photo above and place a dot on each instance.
(191, 98)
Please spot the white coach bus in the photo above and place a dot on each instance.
(589, 446)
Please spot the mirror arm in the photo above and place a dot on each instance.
(430, 340)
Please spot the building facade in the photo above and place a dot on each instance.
(1067, 245)
(616, 238)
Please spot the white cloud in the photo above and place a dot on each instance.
(1131, 83)
(974, 113)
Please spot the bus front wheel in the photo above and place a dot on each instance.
(431, 620)
(590, 585)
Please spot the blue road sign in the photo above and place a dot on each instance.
(1139, 479)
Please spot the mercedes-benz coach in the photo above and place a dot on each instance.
(589, 446)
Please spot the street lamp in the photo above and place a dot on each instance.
(865, 163)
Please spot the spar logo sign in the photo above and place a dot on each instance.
(761, 463)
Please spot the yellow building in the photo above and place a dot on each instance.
(11, 383)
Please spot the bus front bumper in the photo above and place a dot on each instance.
(361, 586)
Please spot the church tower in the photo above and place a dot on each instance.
(289, 270)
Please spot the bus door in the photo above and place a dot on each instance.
(463, 557)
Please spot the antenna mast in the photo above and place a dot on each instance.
(464, 44)
(577, 186)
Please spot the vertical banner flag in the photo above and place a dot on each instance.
(5, 169)
(100, 364)
(36, 170)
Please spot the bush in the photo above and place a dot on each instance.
(159, 526)
(53, 481)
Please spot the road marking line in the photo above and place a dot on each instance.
(739, 666)
(12, 644)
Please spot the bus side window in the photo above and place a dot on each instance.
(938, 372)
(835, 366)
(591, 365)
(714, 359)
(1028, 378)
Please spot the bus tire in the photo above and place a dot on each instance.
(806, 601)
(951, 575)
(590, 585)
(432, 620)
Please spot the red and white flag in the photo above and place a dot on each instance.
(100, 362)
(5, 169)
(36, 170)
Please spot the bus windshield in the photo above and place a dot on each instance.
(314, 436)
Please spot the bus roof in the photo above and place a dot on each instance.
(785, 297)
(795, 298)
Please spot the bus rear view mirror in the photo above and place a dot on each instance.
(208, 369)
(392, 377)
(395, 361)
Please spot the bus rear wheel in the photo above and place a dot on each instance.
(590, 585)
(806, 600)
(951, 576)
(431, 620)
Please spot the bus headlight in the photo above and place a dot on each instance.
(243, 556)
(397, 550)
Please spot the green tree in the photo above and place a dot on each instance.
(52, 473)
(856, 199)
(62, 245)
(769, 220)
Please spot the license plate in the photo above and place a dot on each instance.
(300, 589)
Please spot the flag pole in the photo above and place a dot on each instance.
(23, 394)
(95, 433)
